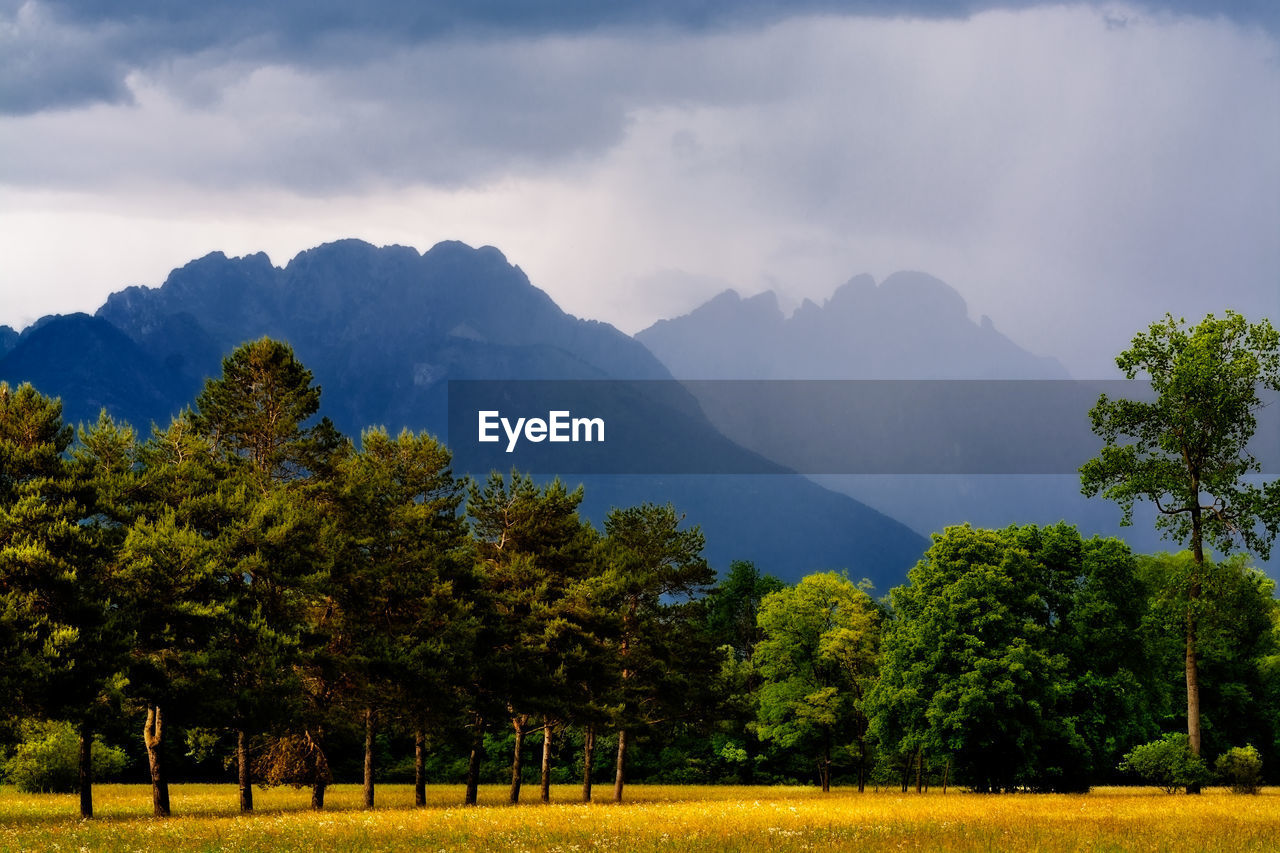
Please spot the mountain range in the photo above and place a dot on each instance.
(910, 326)
(384, 330)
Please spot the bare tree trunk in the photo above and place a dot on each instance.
(619, 776)
(946, 776)
(1193, 594)
(321, 784)
(824, 765)
(368, 758)
(588, 756)
(419, 769)
(473, 765)
(86, 769)
(242, 766)
(919, 767)
(862, 764)
(152, 737)
(546, 761)
(517, 757)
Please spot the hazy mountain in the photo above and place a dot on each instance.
(383, 330)
(911, 326)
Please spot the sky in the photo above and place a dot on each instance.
(1073, 170)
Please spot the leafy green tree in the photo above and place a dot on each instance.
(1236, 637)
(1241, 766)
(47, 759)
(968, 669)
(1187, 452)
(1113, 700)
(817, 661)
(1168, 762)
(650, 563)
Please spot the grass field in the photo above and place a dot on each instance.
(668, 818)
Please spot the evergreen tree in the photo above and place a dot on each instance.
(32, 441)
(60, 535)
(651, 563)
(405, 545)
(255, 414)
(177, 580)
(531, 547)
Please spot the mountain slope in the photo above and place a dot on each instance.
(384, 330)
(92, 365)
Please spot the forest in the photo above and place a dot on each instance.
(247, 595)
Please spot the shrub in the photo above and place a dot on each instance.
(1242, 769)
(1168, 762)
(47, 760)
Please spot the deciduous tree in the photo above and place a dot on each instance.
(1187, 452)
(817, 661)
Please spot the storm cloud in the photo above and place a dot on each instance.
(1074, 171)
(66, 53)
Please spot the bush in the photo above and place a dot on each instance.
(1241, 767)
(1168, 762)
(47, 760)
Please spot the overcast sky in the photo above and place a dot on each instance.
(1073, 170)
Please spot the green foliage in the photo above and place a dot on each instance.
(533, 553)
(661, 656)
(817, 661)
(1241, 766)
(256, 410)
(1237, 646)
(47, 760)
(653, 568)
(32, 437)
(246, 571)
(400, 628)
(1187, 451)
(1168, 763)
(1191, 442)
(732, 605)
(269, 525)
(1013, 652)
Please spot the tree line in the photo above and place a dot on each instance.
(255, 582)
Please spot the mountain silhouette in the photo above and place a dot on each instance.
(384, 330)
(911, 326)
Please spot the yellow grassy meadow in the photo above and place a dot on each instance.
(666, 818)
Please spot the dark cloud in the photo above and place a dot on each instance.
(1073, 170)
(63, 53)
